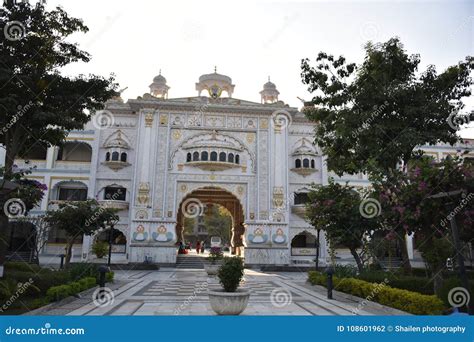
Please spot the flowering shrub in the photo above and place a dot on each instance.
(215, 254)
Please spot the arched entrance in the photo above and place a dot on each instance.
(198, 201)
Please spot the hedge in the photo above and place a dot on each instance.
(56, 293)
(408, 301)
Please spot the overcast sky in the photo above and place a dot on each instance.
(251, 40)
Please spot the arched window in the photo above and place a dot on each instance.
(107, 156)
(230, 158)
(237, 159)
(115, 156)
(196, 156)
(204, 155)
(305, 162)
(297, 163)
(188, 157)
(312, 164)
(123, 157)
(213, 156)
(222, 157)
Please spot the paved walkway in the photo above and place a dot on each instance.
(174, 291)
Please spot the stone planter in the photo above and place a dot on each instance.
(228, 303)
(212, 268)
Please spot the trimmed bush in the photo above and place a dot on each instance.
(409, 301)
(230, 273)
(56, 293)
(399, 281)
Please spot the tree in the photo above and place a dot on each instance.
(80, 218)
(377, 113)
(218, 222)
(339, 210)
(40, 238)
(408, 206)
(38, 105)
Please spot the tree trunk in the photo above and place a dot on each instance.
(67, 258)
(358, 261)
(404, 251)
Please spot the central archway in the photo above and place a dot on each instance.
(195, 203)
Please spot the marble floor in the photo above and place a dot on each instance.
(173, 291)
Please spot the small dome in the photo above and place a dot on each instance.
(269, 85)
(159, 79)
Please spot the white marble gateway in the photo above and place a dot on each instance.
(160, 159)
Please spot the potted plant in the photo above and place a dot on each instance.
(100, 248)
(230, 300)
(214, 258)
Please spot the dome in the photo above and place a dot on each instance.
(215, 77)
(159, 88)
(215, 84)
(269, 94)
(159, 79)
(269, 85)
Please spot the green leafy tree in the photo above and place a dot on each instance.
(375, 114)
(218, 222)
(39, 105)
(336, 209)
(80, 218)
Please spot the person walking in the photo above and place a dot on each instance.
(198, 247)
(202, 247)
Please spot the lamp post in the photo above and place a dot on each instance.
(457, 243)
